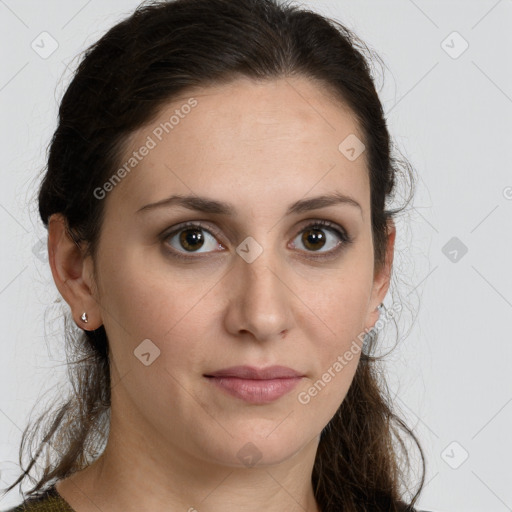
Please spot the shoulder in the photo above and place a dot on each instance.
(46, 501)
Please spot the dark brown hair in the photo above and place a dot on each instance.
(138, 66)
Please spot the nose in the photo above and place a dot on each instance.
(260, 301)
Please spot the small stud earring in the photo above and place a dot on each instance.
(84, 317)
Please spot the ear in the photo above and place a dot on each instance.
(72, 273)
(382, 279)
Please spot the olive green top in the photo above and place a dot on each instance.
(49, 501)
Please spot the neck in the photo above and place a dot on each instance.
(151, 478)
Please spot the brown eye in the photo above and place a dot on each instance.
(320, 234)
(313, 238)
(190, 238)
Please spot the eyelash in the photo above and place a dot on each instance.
(345, 238)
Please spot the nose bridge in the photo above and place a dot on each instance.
(260, 275)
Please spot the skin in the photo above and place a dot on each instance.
(174, 437)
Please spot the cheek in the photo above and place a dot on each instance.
(140, 296)
(341, 308)
(140, 303)
(335, 347)
(342, 302)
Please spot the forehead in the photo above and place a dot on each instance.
(270, 138)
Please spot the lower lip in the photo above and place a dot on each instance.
(256, 391)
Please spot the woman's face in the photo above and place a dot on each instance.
(252, 287)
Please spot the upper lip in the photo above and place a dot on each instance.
(251, 372)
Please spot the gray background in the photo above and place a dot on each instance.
(449, 112)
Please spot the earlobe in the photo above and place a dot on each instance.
(68, 266)
(382, 279)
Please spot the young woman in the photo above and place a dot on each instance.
(215, 200)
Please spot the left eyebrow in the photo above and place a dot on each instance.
(207, 205)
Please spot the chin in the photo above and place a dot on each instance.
(256, 450)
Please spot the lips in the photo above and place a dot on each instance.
(256, 385)
(250, 372)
